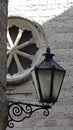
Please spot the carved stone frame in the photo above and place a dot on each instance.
(38, 38)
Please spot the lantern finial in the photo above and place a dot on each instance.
(48, 55)
(48, 50)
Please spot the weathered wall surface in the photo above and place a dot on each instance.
(3, 100)
(56, 18)
(3, 26)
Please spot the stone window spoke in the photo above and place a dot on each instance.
(25, 55)
(9, 39)
(25, 44)
(9, 60)
(19, 66)
(18, 37)
(8, 48)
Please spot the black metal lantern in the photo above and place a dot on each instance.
(48, 78)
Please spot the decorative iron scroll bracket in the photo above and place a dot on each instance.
(19, 111)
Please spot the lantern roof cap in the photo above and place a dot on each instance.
(48, 63)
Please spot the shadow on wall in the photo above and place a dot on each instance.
(59, 35)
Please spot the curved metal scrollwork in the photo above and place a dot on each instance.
(19, 111)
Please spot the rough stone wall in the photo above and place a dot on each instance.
(3, 27)
(56, 18)
(3, 100)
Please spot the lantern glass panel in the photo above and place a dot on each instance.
(35, 83)
(57, 82)
(45, 81)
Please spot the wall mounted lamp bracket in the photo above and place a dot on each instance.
(19, 111)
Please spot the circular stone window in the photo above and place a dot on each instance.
(25, 41)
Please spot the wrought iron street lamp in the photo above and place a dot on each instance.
(48, 77)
